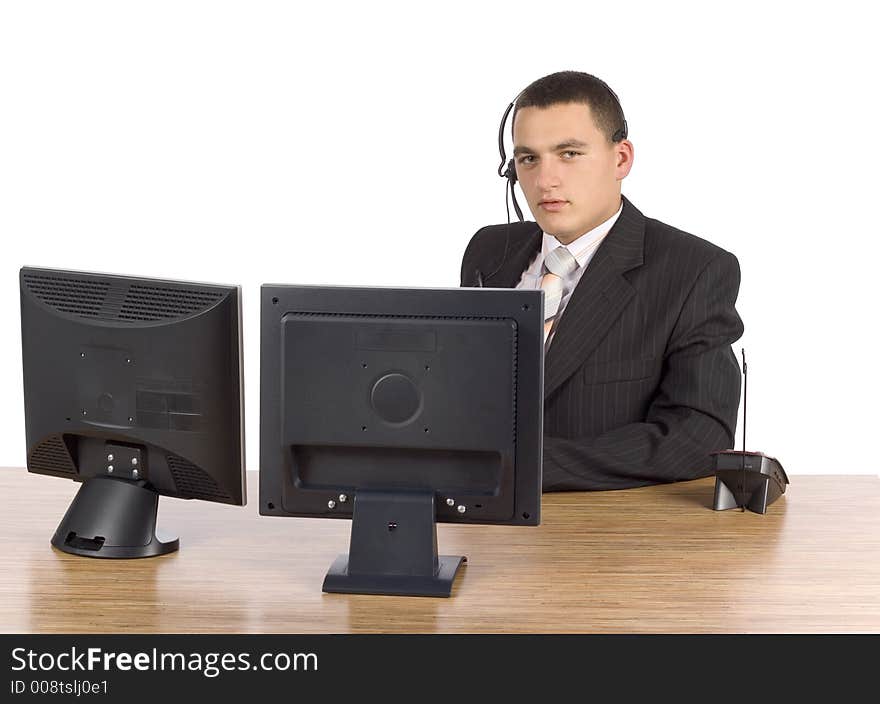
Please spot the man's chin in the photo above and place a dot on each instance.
(554, 228)
(549, 224)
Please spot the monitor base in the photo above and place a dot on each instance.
(339, 581)
(393, 548)
(113, 518)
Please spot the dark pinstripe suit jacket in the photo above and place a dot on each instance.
(640, 381)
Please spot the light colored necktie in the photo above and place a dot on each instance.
(560, 263)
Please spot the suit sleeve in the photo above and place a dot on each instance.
(692, 414)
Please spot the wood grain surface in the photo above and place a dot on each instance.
(655, 559)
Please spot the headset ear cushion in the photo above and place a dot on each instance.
(511, 172)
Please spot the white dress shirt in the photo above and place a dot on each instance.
(582, 249)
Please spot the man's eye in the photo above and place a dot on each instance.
(569, 154)
(526, 159)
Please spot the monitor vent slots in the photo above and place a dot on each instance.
(51, 455)
(78, 296)
(102, 300)
(193, 483)
(154, 303)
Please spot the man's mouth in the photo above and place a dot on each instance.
(553, 205)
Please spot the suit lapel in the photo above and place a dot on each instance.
(598, 300)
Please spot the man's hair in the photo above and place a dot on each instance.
(577, 87)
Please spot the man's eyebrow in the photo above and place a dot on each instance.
(576, 143)
(567, 144)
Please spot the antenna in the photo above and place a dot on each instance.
(745, 407)
(745, 394)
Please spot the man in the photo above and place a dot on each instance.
(641, 383)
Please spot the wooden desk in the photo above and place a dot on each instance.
(656, 559)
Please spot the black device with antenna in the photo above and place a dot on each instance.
(743, 479)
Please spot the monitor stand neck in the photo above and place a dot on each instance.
(113, 518)
(393, 548)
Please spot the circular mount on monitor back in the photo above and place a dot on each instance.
(396, 398)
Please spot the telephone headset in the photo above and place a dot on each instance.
(510, 171)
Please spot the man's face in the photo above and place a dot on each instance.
(569, 171)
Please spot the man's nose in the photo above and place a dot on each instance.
(548, 175)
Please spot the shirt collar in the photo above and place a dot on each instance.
(586, 244)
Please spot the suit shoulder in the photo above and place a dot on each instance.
(491, 237)
(665, 241)
(488, 245)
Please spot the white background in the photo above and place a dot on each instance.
(335, 143)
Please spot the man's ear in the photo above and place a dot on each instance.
(625, 156)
